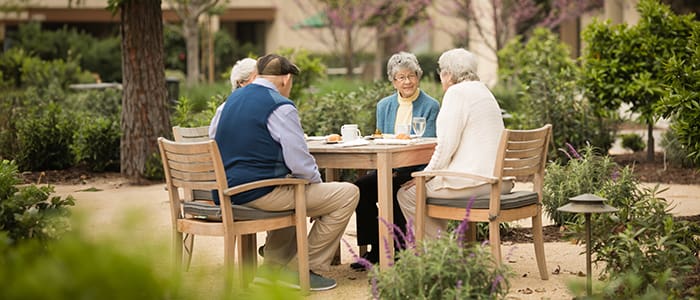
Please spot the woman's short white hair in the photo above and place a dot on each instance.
(242, 71)
(459, 63)
(402, 60)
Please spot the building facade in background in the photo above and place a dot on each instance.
(273, 24)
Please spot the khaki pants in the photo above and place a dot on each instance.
(433, 227)
(330, 204)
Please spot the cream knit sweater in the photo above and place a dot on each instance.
(469, 127)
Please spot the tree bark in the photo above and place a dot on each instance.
(190, 30)
(145, 115)
(650, 141)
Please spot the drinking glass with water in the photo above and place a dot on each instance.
(419, 126)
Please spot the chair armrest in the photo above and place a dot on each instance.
(489, 180)
(263, 183)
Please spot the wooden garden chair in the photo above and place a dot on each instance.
(522, 154)
(198, 166)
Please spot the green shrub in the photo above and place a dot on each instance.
(325, 114)
(28, 212)
(76, 268)
(429, 64)
(633, 142)
(677, 152)
(445, 268)
(44, 139)
(643, 248)
(585, 172)
(544, 77)
(641, 242)
(96, 144)
(311, 70)
(105, 103)
(99, 56)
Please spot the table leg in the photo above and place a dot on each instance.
(386, 208)
(331, 175)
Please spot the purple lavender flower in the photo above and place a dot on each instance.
(389, 255)
(464, 224)
(496, 282)
(459, 284)
(573, 151)
(395, 233)
(565, 153)
(410, 237)
(615, 175)
(364, 262)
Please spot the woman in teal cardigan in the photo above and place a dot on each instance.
(409, 101)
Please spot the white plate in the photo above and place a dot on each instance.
(316, 138)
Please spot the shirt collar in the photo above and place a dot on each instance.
(266, 83)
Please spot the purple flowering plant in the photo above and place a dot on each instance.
(448, 267)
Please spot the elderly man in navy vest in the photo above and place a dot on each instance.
(260, 137)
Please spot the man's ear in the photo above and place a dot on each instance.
(287, 79)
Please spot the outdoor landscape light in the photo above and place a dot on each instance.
(587, 204)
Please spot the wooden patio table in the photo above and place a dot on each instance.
(383, 158)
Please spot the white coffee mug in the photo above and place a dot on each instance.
(403, 128)
(350, 132)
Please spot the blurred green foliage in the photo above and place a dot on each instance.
(632, 141)
(628, 64)
(544, 78)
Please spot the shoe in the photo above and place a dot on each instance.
(371, 256)
(316, 283)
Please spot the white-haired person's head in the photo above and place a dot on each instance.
(243, 72)
(402, 61)
(457, 65)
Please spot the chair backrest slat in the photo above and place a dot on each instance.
(193, 176)
(523, 152)
(195, 185)
(191, 134)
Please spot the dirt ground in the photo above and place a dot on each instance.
(110, 207)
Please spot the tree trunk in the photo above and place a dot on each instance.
(190, 29)
(145, 114)
(650, 141)
(349, 53)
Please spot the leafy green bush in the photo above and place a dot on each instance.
(99, 56)
(677, 152)
(311, 70)
(44, 139)
(629, 64)
(28, 212)
(585, 172)
(545, 80)
(429, 64)
(96, 144)
(76, 268)
(325, 114)
(682, 103)
(632, 141)
(643, 249)
(445, 268)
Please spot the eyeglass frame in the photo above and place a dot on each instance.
(410, 77)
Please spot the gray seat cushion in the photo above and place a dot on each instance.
(212, 212)
(508, 201)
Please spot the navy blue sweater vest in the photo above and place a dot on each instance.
(247, 149)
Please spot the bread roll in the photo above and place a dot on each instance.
(333, 138)
(403, 136)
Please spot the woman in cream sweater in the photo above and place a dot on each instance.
(469, 127)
